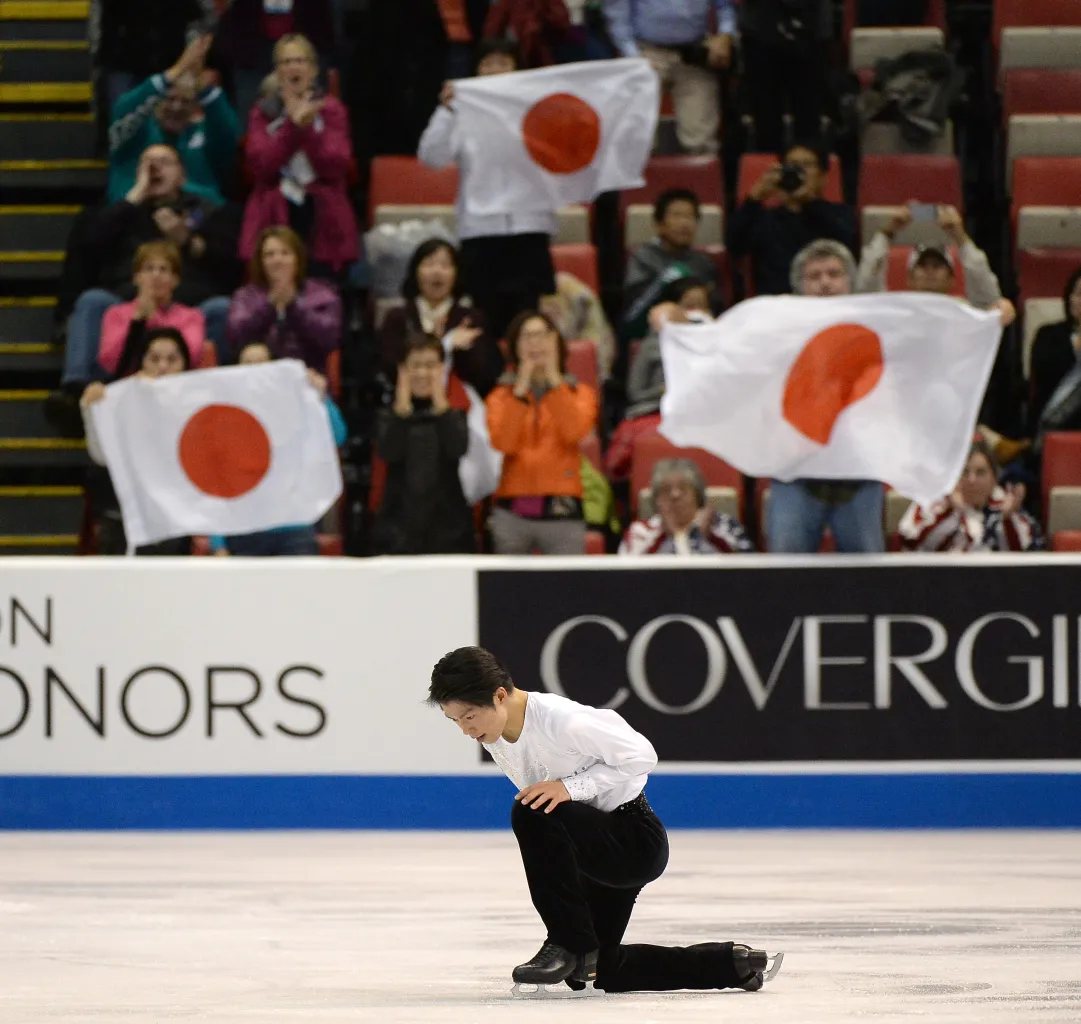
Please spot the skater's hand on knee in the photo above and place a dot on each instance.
(551, 793)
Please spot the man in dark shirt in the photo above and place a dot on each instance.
(772, 234)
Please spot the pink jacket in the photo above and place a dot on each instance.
(334, 234)
(117, 322)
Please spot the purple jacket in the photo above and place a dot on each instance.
(310, 329)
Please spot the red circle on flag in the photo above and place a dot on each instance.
(562, 133)
(224, 450)
(836, 369)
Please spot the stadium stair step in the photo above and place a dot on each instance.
(32, 241)
(40, 520)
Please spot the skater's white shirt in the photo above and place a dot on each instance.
(599, 758)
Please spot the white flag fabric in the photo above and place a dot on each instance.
(867, 387)
(224, 451)
(481, 468)
(539, 140)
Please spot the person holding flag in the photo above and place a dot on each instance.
(527, 143)
(506, 260)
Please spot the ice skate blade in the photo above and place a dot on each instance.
(524, 990)
(774, 967)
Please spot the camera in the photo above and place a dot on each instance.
(792, 177)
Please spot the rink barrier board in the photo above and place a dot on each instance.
(207, 694)
(698, 801)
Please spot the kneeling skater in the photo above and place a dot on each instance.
(588, 837)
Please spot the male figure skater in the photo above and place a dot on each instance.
(589, 840)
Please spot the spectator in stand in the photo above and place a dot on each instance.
(687, 299)
(130, 40)
(157, 208)
(800, 510)
(436, 305)
(124, 327)
(422, 440)
(577, 311)
(183, 109)
(297, 317)
(677, 40)
(1056, 371)
(931, 267)
(979, 515)
(283, 540)
(772, 235)
(506, 262)
(252, 29)
(538, 26)
(683, 523)
(299, 152)
(163, 351)
(538, 416)
(669, 257)
(785, 47)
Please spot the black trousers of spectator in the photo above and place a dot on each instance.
(585, 868)
(776, 82)
(507, 274)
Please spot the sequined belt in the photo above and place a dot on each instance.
(639, 805)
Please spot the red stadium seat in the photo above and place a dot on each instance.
(1045, 181)
(1066, 540)
(650, 448)
(753, 165)
(1032, 14)
(404, 180)
(582, 362)
(590, 447)
(1061, 463)
(1043, 273)
(897, 270)
(703, 175)
(334, 373)
(934, 18)
(595, 544)
(577, 259)
(208, 357)
(1041, 91)
(894, 180)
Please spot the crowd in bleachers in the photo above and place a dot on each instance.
(504, 395)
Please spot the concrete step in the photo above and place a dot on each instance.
(42, 452)
(35, 512)
(26, 320)
(47, 136)
(32, 241)
(22, 414)
(35, 61)
(43, 175)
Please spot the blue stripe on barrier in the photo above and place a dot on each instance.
(480, 802)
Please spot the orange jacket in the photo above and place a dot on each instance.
(539, 440)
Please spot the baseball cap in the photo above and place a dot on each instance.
(920, 251)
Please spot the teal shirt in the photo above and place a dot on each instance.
(208, 148)
(337, 426)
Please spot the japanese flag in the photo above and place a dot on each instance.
(870, 387)
(224, 451)
(539, 140)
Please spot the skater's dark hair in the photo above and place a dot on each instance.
(470, 675)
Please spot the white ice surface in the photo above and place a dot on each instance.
(972, 927)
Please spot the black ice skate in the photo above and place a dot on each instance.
(755, 966)
(553, 965)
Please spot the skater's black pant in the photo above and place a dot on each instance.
(585, 868)
(778, 82)
(507, 274)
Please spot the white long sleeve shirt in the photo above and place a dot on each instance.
(599, 758)
(440, 147)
